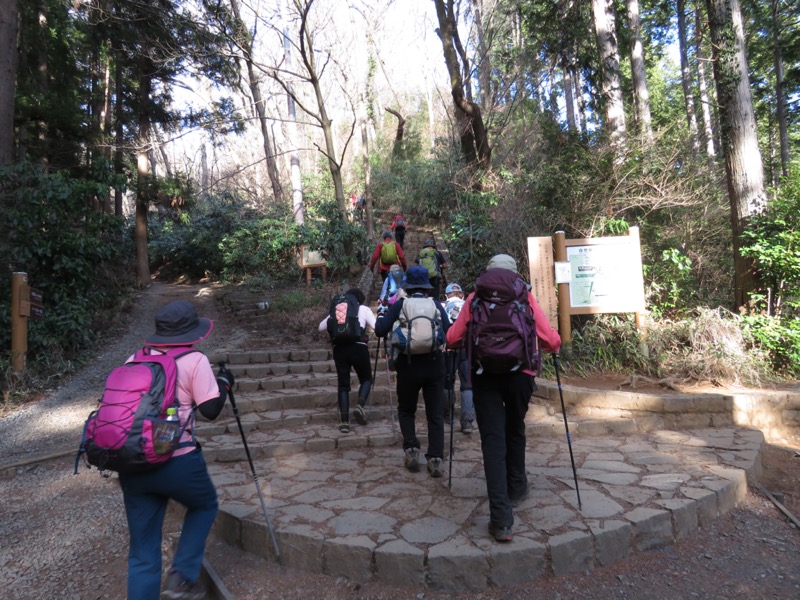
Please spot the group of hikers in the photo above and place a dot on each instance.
(491, 340)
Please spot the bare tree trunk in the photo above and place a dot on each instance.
(780, 96)
(641, 97)
(743, 164)
(484, 58)
(9, 27)
(702, 85)
(245, 44)
(569, 97)
(298, 207)
(611, 87)
(471, 129)
(143, 172)
(686, 77)
(119, 134)
(397, 149)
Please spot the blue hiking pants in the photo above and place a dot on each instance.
(184, 479)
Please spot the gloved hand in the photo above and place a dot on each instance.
(225, 377)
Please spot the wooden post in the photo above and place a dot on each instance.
(19, 322)
(639, 317)
(564, 324)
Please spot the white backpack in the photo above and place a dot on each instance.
(419, 329)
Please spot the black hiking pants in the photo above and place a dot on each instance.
(424, 372)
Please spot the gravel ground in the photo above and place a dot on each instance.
(64, 536)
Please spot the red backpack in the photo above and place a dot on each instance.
(502, 332)
(119, 435)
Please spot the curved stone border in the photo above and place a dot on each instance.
(328, 521)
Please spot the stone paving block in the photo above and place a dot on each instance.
(257, 356)
(612, 540)
(349, 557)
(301, 547)
(737, 476)
(238, 357)
(382, 440)
(521, 561)
(255, 538)
(706, 504)
(684, 516)
(457, 565)
(247, 385)
(282, 449)
(590, 428)
(279, 369)
(652, 528)
(230, 454)
(725, 491)
(279, 355)
(320, 445)
(352, 441)
(299, 368)
(648, 423)
(258, 371)
(271, 385)
(621, 426)
(571, 552)
(298, 355)
(319, 354)
(400, 564)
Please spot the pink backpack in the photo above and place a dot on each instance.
(119, 435)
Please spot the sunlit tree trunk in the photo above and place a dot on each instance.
(780, 95)
(641, 96)
(702, 85)
(743, 164)
(119, 133)
(686, 77)
(611, 87)
(9, 24)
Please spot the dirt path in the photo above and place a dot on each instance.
(64, 536)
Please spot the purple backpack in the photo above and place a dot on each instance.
(119, 435)
(502, 332)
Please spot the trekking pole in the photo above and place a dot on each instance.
(253, 471)
(451, 382)
(389, 389)
(569, 442)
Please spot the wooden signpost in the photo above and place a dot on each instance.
(26, 302)
(310, 259)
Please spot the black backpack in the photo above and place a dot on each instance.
(343, 324)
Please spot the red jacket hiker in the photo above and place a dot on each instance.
(376, 256)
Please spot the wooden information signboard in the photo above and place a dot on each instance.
(543, 283)
(310, 259)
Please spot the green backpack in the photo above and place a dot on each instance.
(427, 259)
(389, 253)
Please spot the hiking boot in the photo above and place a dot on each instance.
(517, 500)
(344, 427)
(412, 459)
(466, 426)
(435, 467)
(360, 415)
(500, 534)
(178, 588)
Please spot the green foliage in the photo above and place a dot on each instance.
(671, 283)
(226, 239)
(778, 337)
(772, 240)
(608, 344)
(77, 256)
